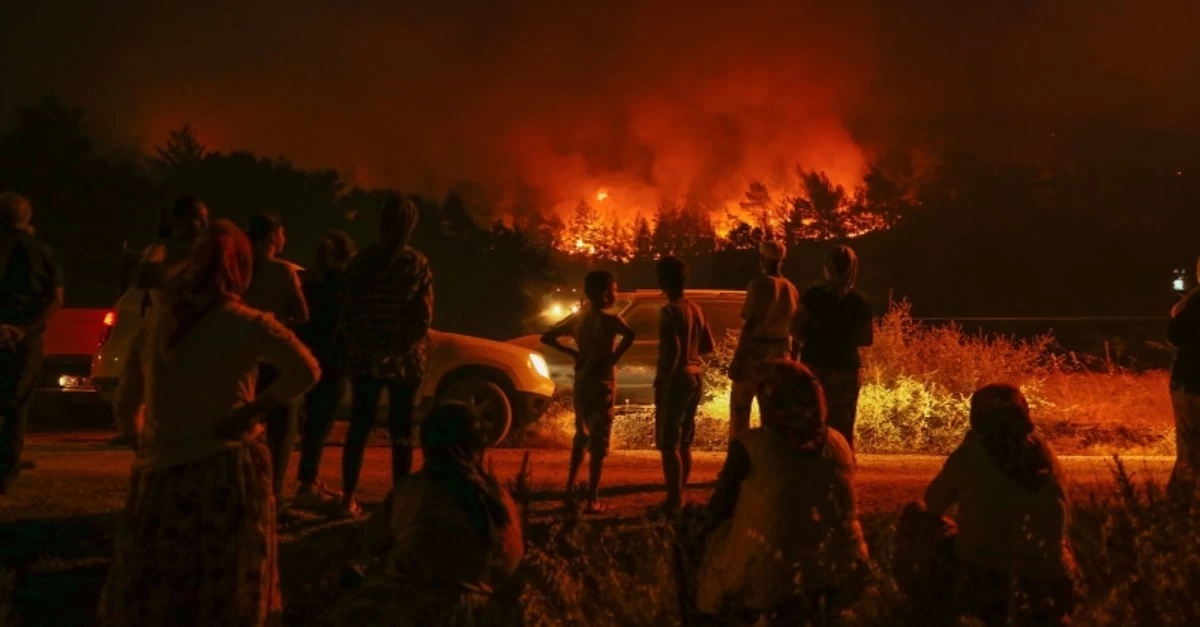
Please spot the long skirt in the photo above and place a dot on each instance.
(197, 546)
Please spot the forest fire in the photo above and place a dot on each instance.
(610, 228)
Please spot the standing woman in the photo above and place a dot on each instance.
(832, 323)
(1184, 334)
(196, 544)
(324, 290)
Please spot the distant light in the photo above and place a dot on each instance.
(1178, 172)
(601, 195)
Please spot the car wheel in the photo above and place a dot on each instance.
(489, 400)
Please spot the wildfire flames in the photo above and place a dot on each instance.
(616, 227)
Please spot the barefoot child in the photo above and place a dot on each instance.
(594, 331)
(683, 338)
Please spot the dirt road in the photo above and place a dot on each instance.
(77, 475)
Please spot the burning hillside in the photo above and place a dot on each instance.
(613, 227)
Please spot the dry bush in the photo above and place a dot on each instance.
(917, 382)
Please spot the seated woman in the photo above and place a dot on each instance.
(788, 545)
(453, 534)
(1012, 560)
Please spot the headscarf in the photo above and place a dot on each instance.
(1000, 421)
(453, 446)
(792, 403)
(841, 270)
(398, 218)
(219, 271)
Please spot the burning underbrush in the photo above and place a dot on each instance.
(917, 383)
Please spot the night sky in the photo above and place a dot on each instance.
(565, 100)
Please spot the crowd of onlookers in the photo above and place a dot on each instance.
(235, 341)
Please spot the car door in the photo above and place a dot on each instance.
(635, 373)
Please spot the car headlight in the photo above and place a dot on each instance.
(539, 364)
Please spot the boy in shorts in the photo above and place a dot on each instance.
(595, 332)
(683, 339)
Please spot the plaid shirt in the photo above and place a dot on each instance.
(387, 313)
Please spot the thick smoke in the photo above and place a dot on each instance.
(545, 102)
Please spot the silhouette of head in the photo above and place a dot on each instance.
(15, 211)
(188, 218)
(672, 276)
(792, 402)
(266, 233)
(771, 254)
(1000, 411)
(452, 432)
(335, 250)
(841, 267)
(600, 288)
(397, 221)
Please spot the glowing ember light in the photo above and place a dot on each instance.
(601, 195)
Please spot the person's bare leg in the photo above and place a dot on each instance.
(685, 467)
(595, 469)
(573, 470)
(672, 475)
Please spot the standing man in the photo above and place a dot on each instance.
(275, 289)
(1184, 334)
(683, 340)
(385, 321)
(771, 301)
(31, 291)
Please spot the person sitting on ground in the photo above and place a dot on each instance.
(594, 331)
(275, 289)
(453, 537)
(832, 323)
(196, 544)
(1013, 562)
(1184, 334)
(324, 291)
(683, 339)
(788, 546)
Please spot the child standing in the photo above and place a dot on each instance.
(594, 331)
(683, 338)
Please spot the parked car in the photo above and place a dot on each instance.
(509, 385)
(635, 373)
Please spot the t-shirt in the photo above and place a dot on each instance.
(683, 338)
(190, 387)
(1184, 334)
(276, 290)
(771, 303)
(834, 328)
(594, 331)
(29, 276)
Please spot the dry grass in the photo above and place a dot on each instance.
(917, 380)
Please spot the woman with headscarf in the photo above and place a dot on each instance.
(388, 310)
(788, 545)
(832, 323)
(453, 535)
(324, 291)
(1013, 562)
(196, 544)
